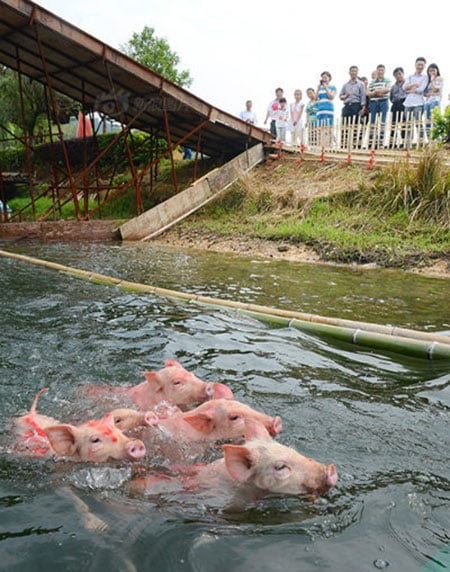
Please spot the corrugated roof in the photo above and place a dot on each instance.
(53, 51)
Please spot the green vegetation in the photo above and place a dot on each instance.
(441, 129)
(393, 215)
(155, 53)
(399, 215)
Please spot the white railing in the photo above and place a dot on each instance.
(348, 134)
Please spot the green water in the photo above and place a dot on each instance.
(381, 419)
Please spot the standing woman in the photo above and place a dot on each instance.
(325, 106)
(433, 94)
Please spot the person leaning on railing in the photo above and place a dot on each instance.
(397, 97)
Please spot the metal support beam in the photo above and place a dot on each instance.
(60, 132)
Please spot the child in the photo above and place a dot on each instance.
(311, 116)
(282, 119)
(296, 122)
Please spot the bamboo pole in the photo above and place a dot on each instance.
(387, 338)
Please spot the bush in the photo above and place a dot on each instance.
(422, 191)
(441, 129)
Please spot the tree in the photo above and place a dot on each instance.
(34, 103)
(10, 105)
(155, 53)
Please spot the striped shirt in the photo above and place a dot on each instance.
(325, 106)
(377, 84)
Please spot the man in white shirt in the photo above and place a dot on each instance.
(274, 106)
(414, 87)
(248, 115)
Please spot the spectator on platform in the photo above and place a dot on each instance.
(433, 94)
(247, 114)
(311, 116)
(272, 109)
(325, 108)
(282, 120)
(353, 95)
(378, 94)
(415, 86)
(296, 109)
(379, 89)
(365, 111)
(397, 96)
(325, 94)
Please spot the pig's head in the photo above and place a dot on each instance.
(275, 468)
(176, 385)
(95, 441)
(127, 419)
(226, 418)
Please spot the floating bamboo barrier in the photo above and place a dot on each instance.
(387, 338)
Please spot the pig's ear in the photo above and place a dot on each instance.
(108, 419)
(172, 363)
(255, 430)
(62, 439)
(202, 422)
(239, 461)
(277, 426)
(154, 380)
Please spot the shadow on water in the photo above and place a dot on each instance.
(381, 419)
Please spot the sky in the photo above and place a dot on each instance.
(239, 50)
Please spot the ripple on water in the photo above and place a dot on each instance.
(381, 419)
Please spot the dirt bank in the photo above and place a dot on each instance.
(244, 246)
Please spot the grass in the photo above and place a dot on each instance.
(393, 217)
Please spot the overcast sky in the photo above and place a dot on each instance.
(238, 50)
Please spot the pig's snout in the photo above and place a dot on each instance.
(331, 475)
(136, 450)
(151, 419)
(218, 391)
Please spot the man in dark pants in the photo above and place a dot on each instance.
(397, 97)
(353, 95)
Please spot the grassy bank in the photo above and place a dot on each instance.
(394, 216)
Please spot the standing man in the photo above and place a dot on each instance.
(274, 106)
(353, 95)
(397, 97)
(248, 115)
(378, 92)
(415, 86)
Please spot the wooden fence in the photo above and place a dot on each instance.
(348, 134)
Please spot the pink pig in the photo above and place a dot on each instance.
(172, 384)
(211, 421)
(183, 436)
(97, 441)
(247, 472)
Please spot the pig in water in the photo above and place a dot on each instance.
(247, 472)
(182, 436)
(97, 441)
(173, 384)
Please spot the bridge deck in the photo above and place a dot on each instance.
(54, 52)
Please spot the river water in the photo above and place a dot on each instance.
(381, 418)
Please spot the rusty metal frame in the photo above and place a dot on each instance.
(86, 68)
(55, 112)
